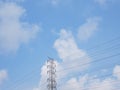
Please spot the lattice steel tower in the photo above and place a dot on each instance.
(51, 74)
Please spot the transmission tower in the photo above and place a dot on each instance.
(51, 74)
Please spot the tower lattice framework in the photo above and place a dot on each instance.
(51, 71)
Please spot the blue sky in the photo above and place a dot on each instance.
(65, 30)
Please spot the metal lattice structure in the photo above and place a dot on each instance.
(51, 74)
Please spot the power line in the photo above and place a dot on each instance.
(94, 55)
(95, 87)
(99, 45)
(95, 78)
(86, 63)
(96, 70)
(96, 46)
(104, 43)
(114, 47)
(97, 60)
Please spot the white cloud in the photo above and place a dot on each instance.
(89, 83)
(69, 52)
(13, 31)
(43, 79)
(74, 84)
(86, 30)
(117, 71)
(3, 76)
(71, 55)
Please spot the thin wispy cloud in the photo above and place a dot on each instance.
(17, 1)
(104, 2)
(56, 3)
(87, 30)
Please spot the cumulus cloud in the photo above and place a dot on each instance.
(43, 80)
(71, 56)
(86, 30)
(3, 76)
(73, 83)
(13, 31)
(68, 50)
(117, 71)
(42, 84)
(87, 82)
